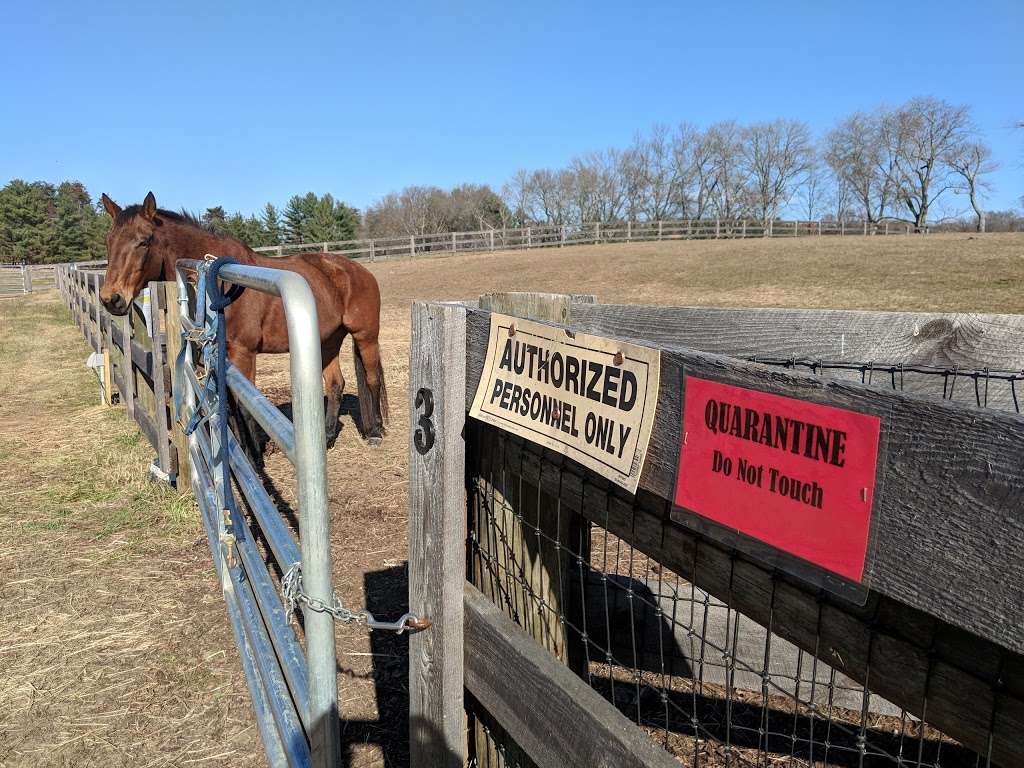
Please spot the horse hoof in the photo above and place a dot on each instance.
(374, 442)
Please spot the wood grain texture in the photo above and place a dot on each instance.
(437, 536)
(166, 455)
(180, 442)
(558, 719)
(953, 341)
(948, 515)
(967, 687)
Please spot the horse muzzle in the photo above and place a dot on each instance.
(116, 305)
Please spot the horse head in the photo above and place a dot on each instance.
(131, 261)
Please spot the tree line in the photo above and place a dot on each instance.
(41, 223)
(905, 163)
(900, 163)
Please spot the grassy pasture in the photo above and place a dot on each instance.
(114, 647)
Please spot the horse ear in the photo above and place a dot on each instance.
(112, 208)
(149, 207)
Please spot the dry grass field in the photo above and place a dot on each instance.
(114, 649)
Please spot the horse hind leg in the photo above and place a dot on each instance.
(334, 387)
(373, 397)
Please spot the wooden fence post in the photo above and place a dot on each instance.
(659, 229)
(865, 227)
(597, 232)
(629, 230)
(373, 248)
(94, 339)
(887, 227)
(127, 367)
(819, 227)
(717, 227)
(796, 229)
(178, 439)
(842, 226)
(563, 237)
(454, 247)
(529, 237)
(325, 248)
(412, 246)
(26, 278)
(157, 302)
(437, 534)
(491, 238)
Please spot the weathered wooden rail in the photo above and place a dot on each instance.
(568, 611)
(590, 233)
(130, 356)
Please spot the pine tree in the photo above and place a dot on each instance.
(297, 216)
(323, 224)
(27, 221)
(272, 229)
(72, 227)
(215, 219)
(348, 221)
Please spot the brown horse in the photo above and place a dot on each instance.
(145, 242)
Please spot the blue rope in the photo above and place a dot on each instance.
(214, 344)
(219, 301)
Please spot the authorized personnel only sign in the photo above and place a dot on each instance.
(796, 475)
(589, 398)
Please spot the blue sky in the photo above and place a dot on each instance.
(239, 103)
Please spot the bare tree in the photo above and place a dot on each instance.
(971, 161)
(516, 194)
(659, 174)
(919, 137)
(632, 175)
(611, 193)
(813, 192)
(777, 156)
(855, 150)
(730, 190)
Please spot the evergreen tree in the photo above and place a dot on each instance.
(215, 219)
(323, 224)
(272, 228)
(73, 224)
(27, 221)
(297, 216)
(348, 221)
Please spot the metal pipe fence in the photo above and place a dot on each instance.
(293, 684)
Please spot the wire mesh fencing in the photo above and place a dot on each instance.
(711, 684)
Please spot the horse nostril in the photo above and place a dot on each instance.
(117, 304)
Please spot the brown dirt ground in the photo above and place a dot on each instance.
(70, 635)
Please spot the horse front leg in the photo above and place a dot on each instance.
(247, 431)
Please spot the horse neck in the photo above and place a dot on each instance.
(187, 242)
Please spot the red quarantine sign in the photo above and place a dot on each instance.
(798, 476)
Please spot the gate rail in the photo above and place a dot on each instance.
(294, 689)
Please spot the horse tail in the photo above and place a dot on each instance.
(373, 406)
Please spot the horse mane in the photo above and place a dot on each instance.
(182, 217)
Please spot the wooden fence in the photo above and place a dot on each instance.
(557, 235)
(130, 356)
(18, 279)
(576, 624)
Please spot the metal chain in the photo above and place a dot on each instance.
(293, 594)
